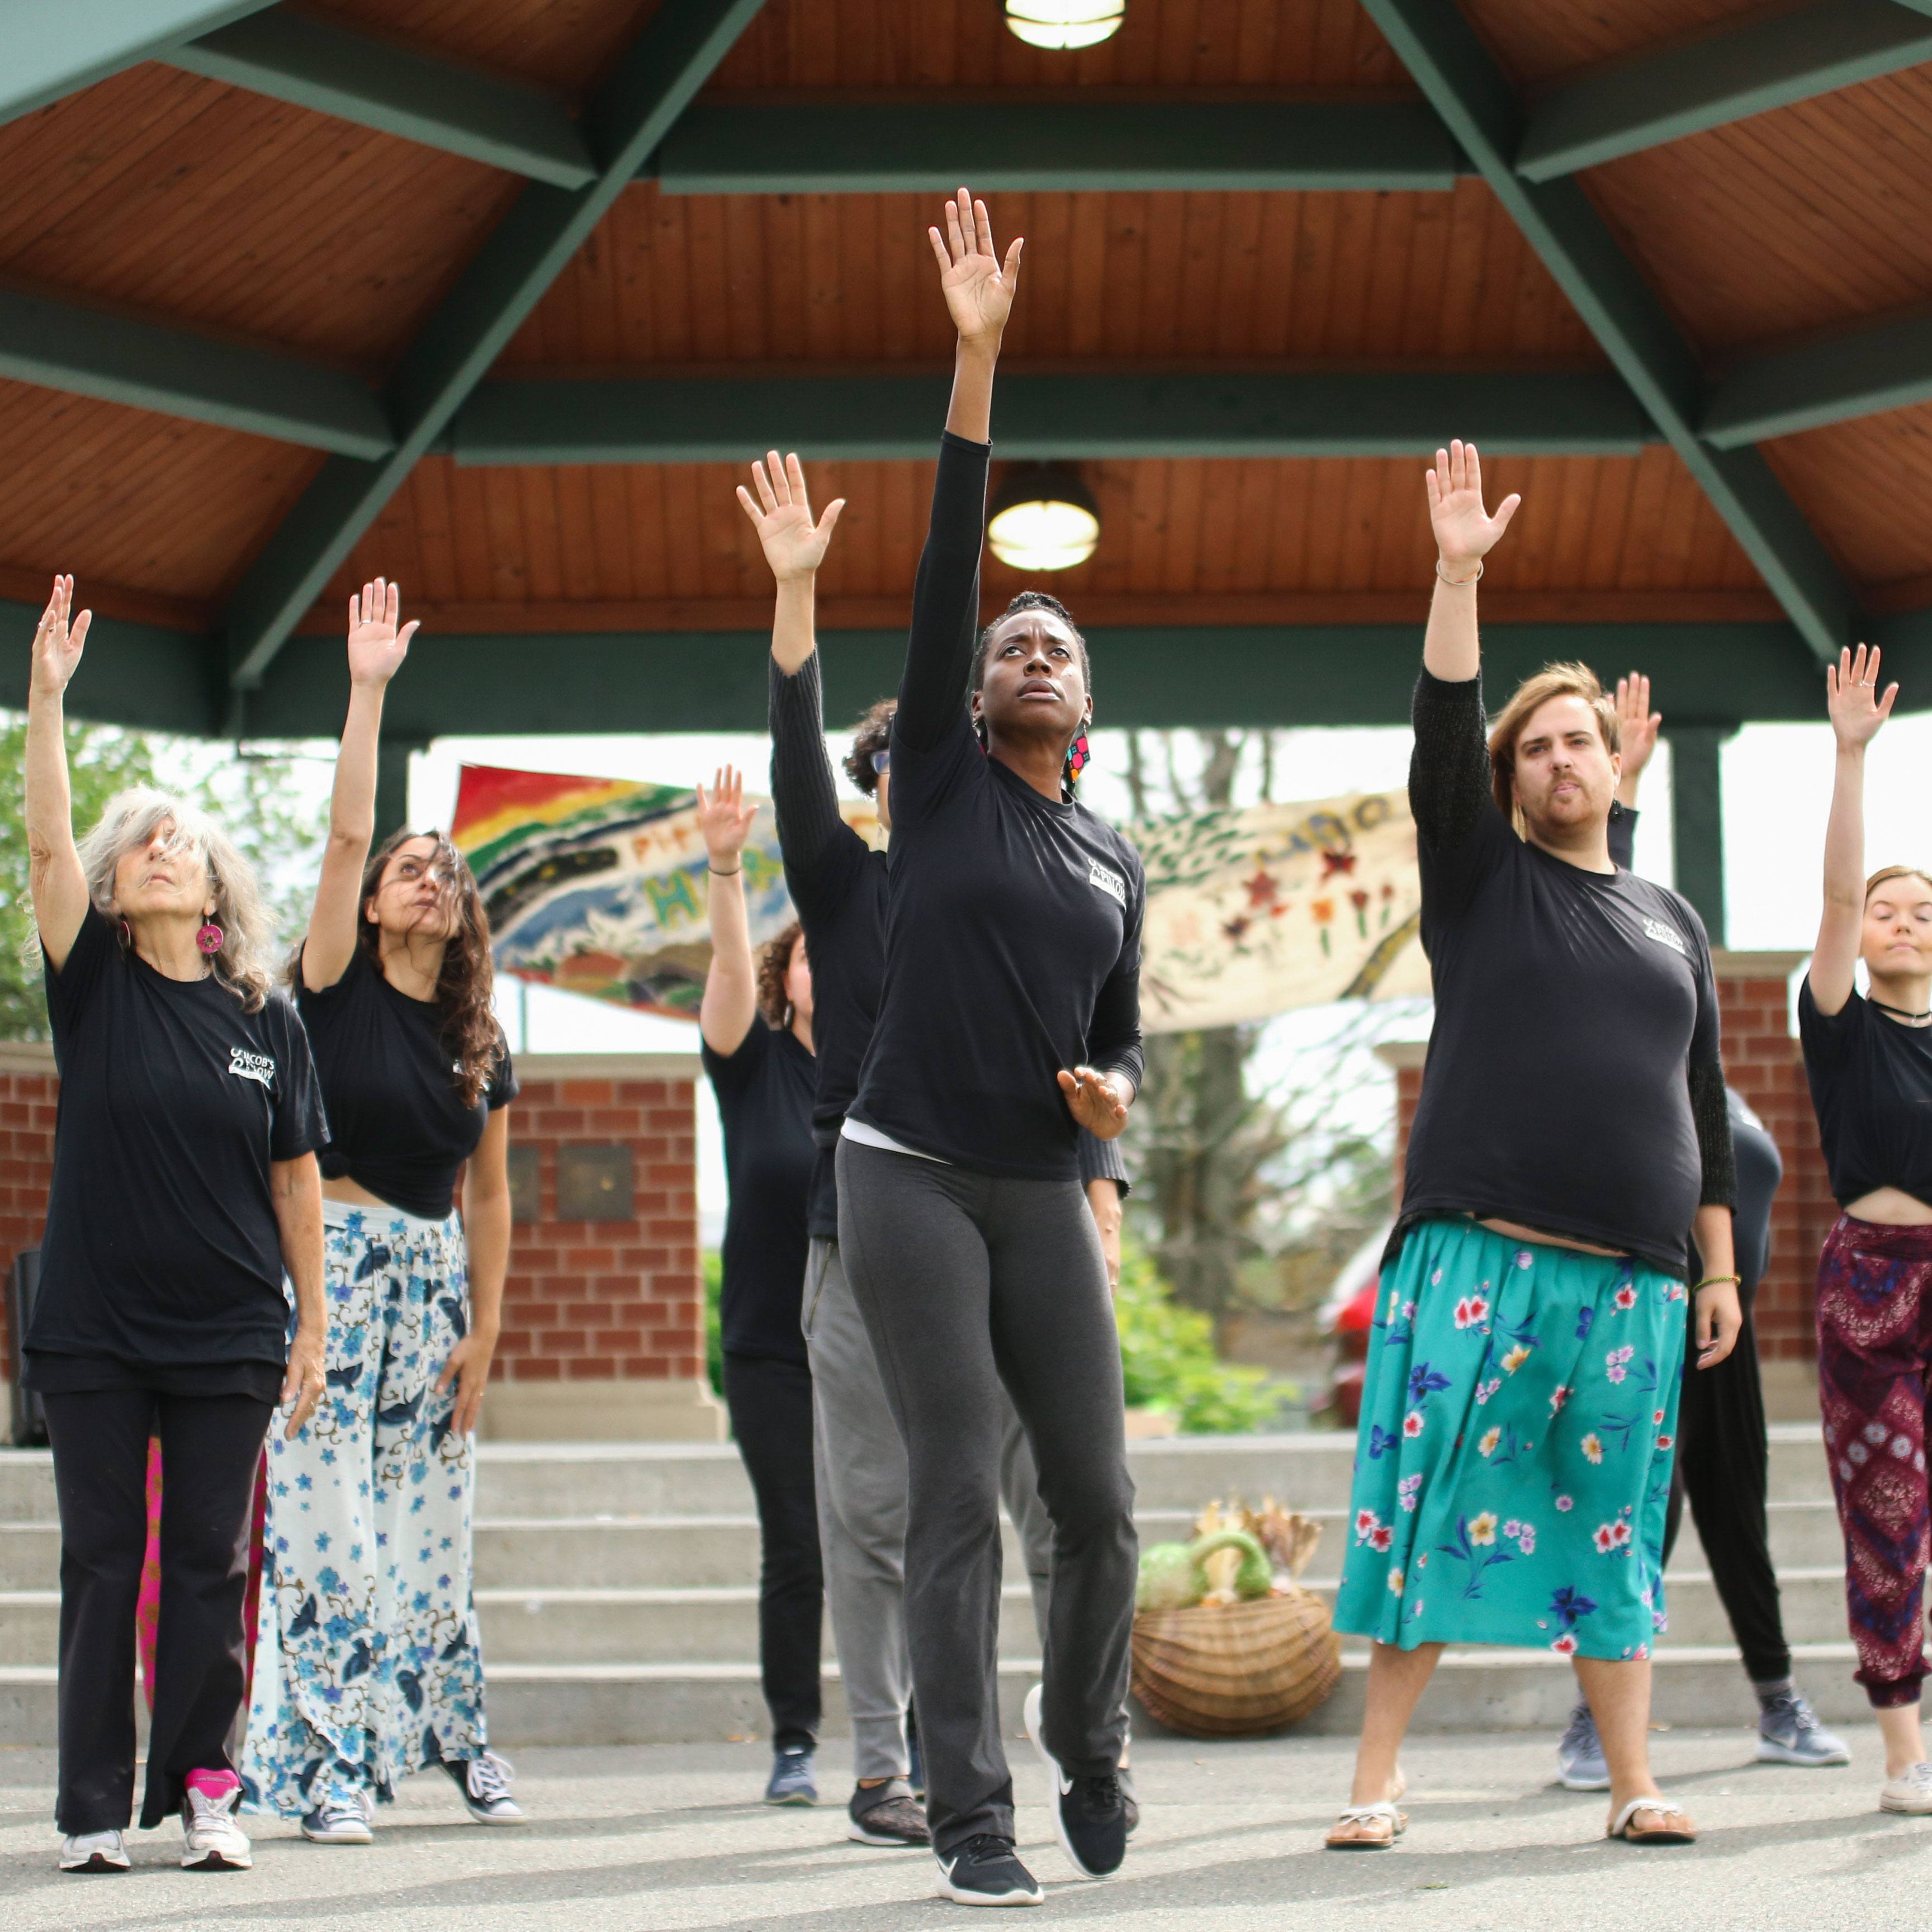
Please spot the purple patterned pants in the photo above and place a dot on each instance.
(1874, 1376)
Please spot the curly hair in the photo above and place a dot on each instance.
(774, 963)
(129, 824)
(467, 1027)
(1033, 600)
(874, 734)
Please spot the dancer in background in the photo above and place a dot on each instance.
(838, 884)
(1722, 1454)
(1523, 1377)
(1009, 1019)
(757, 1023)
(1869, 1061)
(185, 1184)
(368, 1666)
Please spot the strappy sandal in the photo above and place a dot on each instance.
(1684, 1832)
(1385, 1814)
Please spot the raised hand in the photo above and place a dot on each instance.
(794, 546)
(1638, 725)
(1851, 696)
(978, 286)
(1465, 532)
(376, 649)
(723, 818)
(1094, 1101)
(57, 644)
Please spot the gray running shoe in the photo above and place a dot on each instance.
(1580, 1763)
(886, 1814)
(1789, 1732)
(794, 1779)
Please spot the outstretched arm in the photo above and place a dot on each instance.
(377, 649)
(1465, 533)
(1857, 711)
(978, 289)
(794, 547)
(55, 878)
(731, 1001)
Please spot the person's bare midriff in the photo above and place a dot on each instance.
(339, 1187)
(1890, 1208)
(1517, 1231)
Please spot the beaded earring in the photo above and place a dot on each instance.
(1079, 757)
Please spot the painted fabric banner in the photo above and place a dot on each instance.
(1255, 912)
(599, 885)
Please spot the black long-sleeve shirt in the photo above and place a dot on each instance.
(1013, 921)
(1574, 1083)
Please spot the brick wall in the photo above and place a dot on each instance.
(27, 1096)
(1761, 1061)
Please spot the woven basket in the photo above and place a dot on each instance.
(1241, 1670)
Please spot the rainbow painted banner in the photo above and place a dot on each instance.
(599, 886)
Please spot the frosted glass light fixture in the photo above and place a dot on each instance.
(1065, 24)
(1042, 517)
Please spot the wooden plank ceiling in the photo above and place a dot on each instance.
(179, 200)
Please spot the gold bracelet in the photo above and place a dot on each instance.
(1717, 1281)
(1458, 583)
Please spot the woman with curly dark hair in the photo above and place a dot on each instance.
(756, 1020)
(367, 1663)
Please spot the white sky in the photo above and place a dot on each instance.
(1776, 779)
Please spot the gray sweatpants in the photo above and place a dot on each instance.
(966, 1282)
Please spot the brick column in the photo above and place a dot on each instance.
(29, 1091)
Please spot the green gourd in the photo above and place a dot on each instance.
(1170, 1578)
(1255, 1577)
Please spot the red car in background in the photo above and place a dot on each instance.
(1345, 1318)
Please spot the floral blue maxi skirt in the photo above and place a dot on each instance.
(1513, 1467)
(367, 1666)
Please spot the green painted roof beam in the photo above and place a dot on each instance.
(174, 372)
(1729, 75)
(651, 85)
(729, 419)
(49, 48)
(1885, 365)
(900, 147)
(375, 83)
(1463, 81)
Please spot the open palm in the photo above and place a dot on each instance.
(794, 546)
(1465, 532)
(1851, 694)
(57, 644)
(978, 286)
(376, 648)
(723, 818)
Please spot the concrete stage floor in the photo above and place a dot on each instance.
(664, 1837)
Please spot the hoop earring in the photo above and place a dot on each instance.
(127, 934)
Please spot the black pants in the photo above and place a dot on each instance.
(966, 1281)
(770, 1403)
(210, 1446)
(1721, 1465)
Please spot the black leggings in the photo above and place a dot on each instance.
(210, 1446)
(770, 1403)
(1721, 1459)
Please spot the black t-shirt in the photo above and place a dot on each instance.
(764, 1100)
(1574, 1011)
(1871, 1088)
(162, 1248)
(1013, 921)
(397, 1123)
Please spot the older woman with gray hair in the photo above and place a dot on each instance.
(184, 1188)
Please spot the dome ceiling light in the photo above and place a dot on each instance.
(1042, 517)
(1062, 24)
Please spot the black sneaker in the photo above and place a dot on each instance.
(1089, 1814)
(985, 1870)
(1128, 1801)
(886, 1814)
(484, 1784)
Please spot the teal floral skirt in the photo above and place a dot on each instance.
(1513, 1467)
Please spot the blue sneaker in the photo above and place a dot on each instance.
(792, 1779)
(1580, 1763)
(1789, 1732)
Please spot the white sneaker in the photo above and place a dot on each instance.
(341, 1821)
(211, 1839)
(1910, 1791)
(94, 1851)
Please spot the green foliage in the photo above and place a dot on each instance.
(714, 1331)
(1167, 1352)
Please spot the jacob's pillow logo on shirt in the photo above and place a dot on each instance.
(1111, 883)
(256, 1066)
(1665, 935)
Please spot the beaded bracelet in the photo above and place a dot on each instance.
(1717, 1281)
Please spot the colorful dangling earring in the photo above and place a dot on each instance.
(210, 937)
(1079, 757)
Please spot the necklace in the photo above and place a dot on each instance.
(1899, 1012)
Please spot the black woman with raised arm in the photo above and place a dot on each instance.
(1009, 1019)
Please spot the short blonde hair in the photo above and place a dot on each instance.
(129, 824)
(1553, 680)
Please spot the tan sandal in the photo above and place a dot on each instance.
(1682, 1832)
(1382, 1814)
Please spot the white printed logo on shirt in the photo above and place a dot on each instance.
(1665, 935)
(1111, 883)
(256, 1066)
